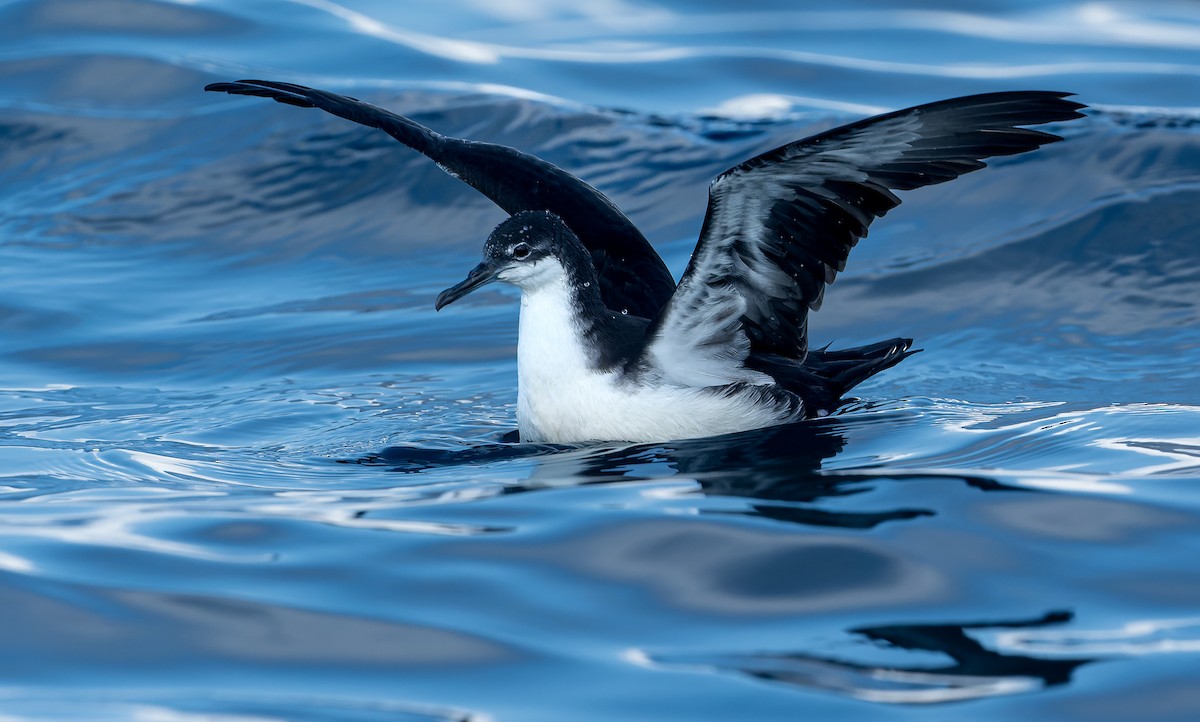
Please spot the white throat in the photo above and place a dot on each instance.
(554, 373)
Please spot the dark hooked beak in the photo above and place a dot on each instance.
(480, 275)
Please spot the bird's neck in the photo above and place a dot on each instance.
(556, 334)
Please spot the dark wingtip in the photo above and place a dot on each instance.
(279, 92)
(1037, 106)
(1058, 107)
(235, 86)
(1070, 108)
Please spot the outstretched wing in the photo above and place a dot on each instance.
(780, 226)
(632, 276)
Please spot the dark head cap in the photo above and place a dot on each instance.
(514, 252)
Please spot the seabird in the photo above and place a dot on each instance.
(610, 348)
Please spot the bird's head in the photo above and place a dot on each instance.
(527, 250)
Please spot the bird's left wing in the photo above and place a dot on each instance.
(780, 226)
(632, 276)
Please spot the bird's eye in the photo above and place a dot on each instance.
(521, 251)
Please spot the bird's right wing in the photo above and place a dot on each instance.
(780, 226)
(632, 276)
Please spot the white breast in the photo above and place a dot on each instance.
(561, 399)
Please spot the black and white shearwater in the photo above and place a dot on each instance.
(610, 348)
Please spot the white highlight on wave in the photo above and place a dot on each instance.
(1089, 23)
(872, 684)
(774, 105)
(461, 50)
(1107, 26)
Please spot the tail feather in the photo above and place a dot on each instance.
(825, 376)
(847, 368)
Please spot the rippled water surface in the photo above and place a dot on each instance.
(247, 474)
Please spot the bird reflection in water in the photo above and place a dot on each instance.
(973, 671)
(779, 468)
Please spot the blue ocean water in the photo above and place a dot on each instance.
(216, 311)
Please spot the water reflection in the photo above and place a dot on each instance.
(1140, 637)
(180, 706)
(974, 671)
(77, 626)
(779, 468)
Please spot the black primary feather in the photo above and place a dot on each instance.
(632, 277)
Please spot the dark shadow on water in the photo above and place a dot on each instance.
(973, 672)
(780, 468)
(413, 459)
(970, 657)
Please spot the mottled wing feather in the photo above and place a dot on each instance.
(780, 226)
(632, 276)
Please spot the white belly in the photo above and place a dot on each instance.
(601, 408)
(562, 399)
